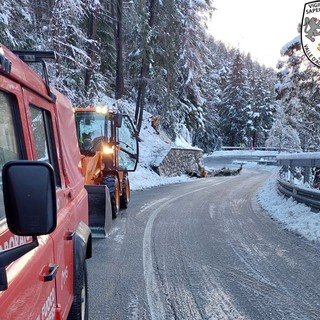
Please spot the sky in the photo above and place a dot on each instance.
(260, 28)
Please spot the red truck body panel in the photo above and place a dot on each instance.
(28, 295)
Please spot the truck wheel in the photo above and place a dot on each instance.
(79, 308)
(112, 183)
(125, 198)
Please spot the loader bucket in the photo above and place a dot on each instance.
(100, 212)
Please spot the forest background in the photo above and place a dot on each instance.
(159, 55)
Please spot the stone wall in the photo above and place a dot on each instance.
(180, 161)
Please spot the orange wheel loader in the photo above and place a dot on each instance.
(108, 144)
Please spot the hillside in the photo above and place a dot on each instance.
(152, 149)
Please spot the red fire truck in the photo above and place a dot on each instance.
(44, 234)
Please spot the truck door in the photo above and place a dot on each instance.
(44, 139)
(30, 294)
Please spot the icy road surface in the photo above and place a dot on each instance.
(203, 250)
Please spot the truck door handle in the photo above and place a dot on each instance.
(69, 236)
(49, 272)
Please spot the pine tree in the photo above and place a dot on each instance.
(17, 13)
(212, 84)
(261, 101)
(282, 135)
(193, 58)
(104, 76)
(235, 108)
(171, 65)
(298, 91)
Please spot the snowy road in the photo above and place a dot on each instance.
(203, 250)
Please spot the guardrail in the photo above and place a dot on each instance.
(299, 177)
(227, 148)
(307, 196)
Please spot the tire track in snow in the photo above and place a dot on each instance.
(153, 292)
(156, 306)
(219, 303)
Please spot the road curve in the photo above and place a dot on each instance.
(203, 250)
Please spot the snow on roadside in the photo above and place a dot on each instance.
(144, 178)
(153, 147)
(294, 216)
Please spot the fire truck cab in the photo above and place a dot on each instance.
(44, 234)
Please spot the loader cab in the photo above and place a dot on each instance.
(108, 143)
(110, 133)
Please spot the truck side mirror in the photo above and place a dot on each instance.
(29, 197)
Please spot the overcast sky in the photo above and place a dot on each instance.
(259, 27)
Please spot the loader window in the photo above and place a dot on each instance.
(91, 126)
(128, 154)
(43, 137)
(9, 146)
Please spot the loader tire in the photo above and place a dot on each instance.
(125, 198)
(112, 183)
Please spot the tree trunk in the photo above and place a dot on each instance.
(141, 94)
(92, 33)
(117, 9)
(144, 71)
